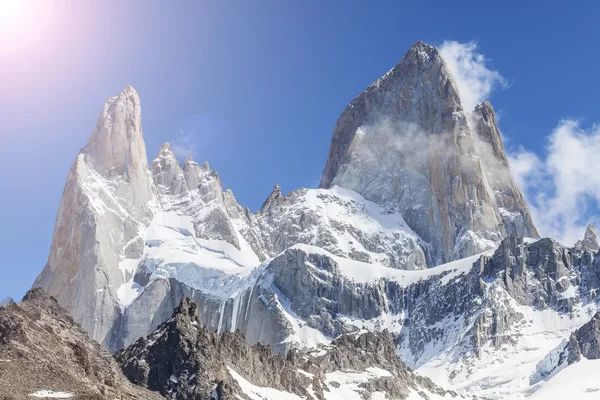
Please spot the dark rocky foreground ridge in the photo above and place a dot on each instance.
(183, 360)
(43, 349)
(44, 352)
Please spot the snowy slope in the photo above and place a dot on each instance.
(342, 222)
(579, 381)
(506, 372)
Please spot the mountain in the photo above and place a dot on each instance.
(417, 229)
(6, 302)
(407, 144)
(45, 354)
(131, 240)
(107, 200)
(590, 239)
(183, 360)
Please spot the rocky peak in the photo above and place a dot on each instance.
(167, 172)
(166, 146)
(116, 147)
(184, 360)
(108, 199)
(590, 239)
(406, 144)
(196, 174)
(6, 302)
(487, 128)
(187, 311)
(421, 72)
(38, 295)
(275, 198)
(117, 143)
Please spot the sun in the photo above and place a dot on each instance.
(11, 11)
(23, 22)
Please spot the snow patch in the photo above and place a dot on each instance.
(579, 381)
(361, 272)
(261, 393)
(49, 394)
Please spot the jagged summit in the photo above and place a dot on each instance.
(117, 144)
(406, 144)
(419, 53)
(165, 146)
(182, 359)
(423, 48)
(6, 301)
(107, 199)
(590, 240)
(275, 198)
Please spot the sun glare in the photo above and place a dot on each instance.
(22, 22)
(10, 11)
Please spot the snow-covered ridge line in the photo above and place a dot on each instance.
(360, 272)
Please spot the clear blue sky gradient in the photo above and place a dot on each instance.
(271, 77)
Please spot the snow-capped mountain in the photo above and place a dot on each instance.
(407, 144)
(418, 229)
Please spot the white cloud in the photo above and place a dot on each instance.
(469, 68)
(184, 145)
(562, 188)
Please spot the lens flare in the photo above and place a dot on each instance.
(23, 22)
(10, 10)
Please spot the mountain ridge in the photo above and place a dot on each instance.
(420, 230)
(45, 354)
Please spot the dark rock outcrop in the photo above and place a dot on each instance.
(584, 342)
(43, 349)
(182, 360)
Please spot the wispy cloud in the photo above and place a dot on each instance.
(562, 187)
(475, 80)
(184, 145)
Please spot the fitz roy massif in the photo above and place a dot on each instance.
(414, 271)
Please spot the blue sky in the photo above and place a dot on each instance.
(256, 88)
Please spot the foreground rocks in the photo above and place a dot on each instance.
(42, 350)
(182, 360)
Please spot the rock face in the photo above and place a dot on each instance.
(407, 144)
(585, 341)
(42, 350)
(590, 240)
(107, 201)
(182, 360)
